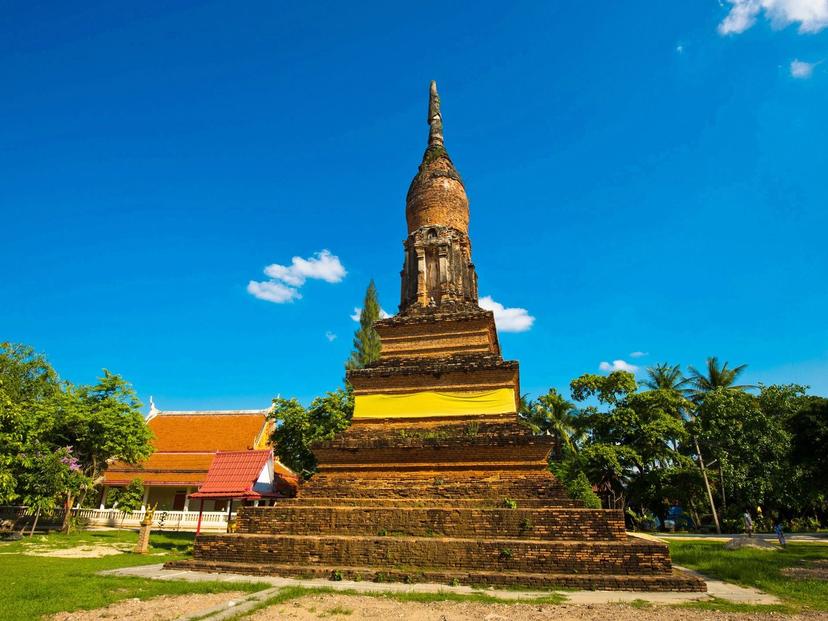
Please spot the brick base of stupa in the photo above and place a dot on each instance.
(463, 500)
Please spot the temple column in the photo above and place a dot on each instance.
(422, 288)
(145, 499)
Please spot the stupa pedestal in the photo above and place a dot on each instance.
(459, 500)
(436, 479)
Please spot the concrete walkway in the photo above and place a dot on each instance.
(715, 588)
(795, 537)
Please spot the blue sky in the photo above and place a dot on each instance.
(643, 178)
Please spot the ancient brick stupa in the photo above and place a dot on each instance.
(436, 479)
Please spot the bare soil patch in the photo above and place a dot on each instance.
(164, 608)
(82, 551)
(357, 608)
(815, 570)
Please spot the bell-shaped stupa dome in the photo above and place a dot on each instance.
(436, 196)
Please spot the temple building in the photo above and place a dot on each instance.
(436, 479)
(185, 444)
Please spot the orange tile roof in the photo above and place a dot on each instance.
(233, 474)
(186, 442)
(161, 469)
(220, 431)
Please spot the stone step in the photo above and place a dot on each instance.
(544, 523)
(630, 556)
(482, 503)
(674, 580)
(433, 485)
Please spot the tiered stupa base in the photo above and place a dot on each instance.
(466, 500)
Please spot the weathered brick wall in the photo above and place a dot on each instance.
(605, 557)
(395, 484)
(675, 581)
(396, 501)
(545, 524)
(437, 198)
(431, 503)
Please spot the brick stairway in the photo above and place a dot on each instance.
(442, 502)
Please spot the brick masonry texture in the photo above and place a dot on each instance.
(488, 512)
(675, 581)
(478, 523)
(604, 557)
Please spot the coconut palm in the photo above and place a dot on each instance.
(715, 377)
(669, 377)
(552, 414)
(664, 376)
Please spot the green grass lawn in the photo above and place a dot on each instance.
(33, 586)
(760, 569)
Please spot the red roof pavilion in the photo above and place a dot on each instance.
(235, 474)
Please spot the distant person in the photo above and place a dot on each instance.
(780, 533)
(748, 521)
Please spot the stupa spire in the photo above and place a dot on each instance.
(435, 119)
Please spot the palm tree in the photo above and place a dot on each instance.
(669, 377)
(664, 376)
(715, 377)
(552, 414)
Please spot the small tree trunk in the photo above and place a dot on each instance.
(721, 484)
(694, 513)
(34, 524)
(67, 516)
(707, 486)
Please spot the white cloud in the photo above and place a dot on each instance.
(321, 266)
(507, 319)
(272, 291)
(811, 15)
(358, 313)
(638, 354)
(330, 336)
(618, 365)
(802, 70)
(285, 280)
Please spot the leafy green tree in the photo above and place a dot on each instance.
(630, 452)
(47, 477)
(129, 497)
(607, 389)
(366, 339)
(297, 429)
(25, 375)
(808, 426)
(26, 380)
(102, 423)
(748, 437)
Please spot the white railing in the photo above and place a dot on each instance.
(162, 520)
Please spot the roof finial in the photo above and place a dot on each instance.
(435, 119)
(153, 411)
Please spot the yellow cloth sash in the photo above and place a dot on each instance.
(427, 403)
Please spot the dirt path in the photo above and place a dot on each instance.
(164, 608)
(358, 608)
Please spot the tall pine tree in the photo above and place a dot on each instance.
(366, 339)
